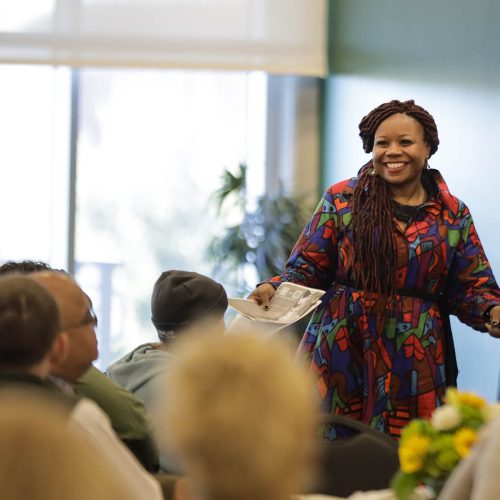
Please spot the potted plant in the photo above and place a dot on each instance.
(256, 243)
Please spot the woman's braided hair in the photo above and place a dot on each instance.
(373, 235)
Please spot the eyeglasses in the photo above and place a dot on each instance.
(89, 319)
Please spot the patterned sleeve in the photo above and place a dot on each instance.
(471, 284)
(314, 257)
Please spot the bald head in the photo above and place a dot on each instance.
(29, 322)
(77, 321)
(70, 298)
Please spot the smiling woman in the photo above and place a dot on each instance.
(395, 252)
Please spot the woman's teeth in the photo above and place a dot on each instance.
(395, 165)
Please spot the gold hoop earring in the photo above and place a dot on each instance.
(373, 172)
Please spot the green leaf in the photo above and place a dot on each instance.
(403, 485)
(231, 185)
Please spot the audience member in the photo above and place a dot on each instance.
(78, 321)
(29, 330)
(37, 336)
(181, 301)
(44, 458)
(127, 414)
(243, 421)
(23, 267)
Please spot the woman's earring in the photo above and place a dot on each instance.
(427, 166)
(373, 172)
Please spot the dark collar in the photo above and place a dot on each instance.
(22, 378)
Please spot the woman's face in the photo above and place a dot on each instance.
(399, 150)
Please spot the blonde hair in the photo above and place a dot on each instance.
(241, 417)
(43, 458)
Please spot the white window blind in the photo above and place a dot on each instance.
(277, 36)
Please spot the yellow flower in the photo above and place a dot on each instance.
(463, 441)
(471, 399)
(451, 396)
(412, 452)
(409, 462)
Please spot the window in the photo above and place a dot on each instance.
(151, 147)
(34, 126)
(149, 144)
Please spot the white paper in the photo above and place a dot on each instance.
(289, 303)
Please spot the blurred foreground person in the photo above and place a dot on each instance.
(477, 476)
(243, 421)
(42, 457)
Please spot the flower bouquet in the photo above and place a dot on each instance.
(429, 450)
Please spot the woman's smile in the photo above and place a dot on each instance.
(395, 165)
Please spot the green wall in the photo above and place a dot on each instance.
(440, 39)
(445, 55)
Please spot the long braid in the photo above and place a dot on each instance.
(373, 235)
(374, 246)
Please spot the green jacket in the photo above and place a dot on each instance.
(127, 414)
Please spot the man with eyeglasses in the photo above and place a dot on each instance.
(78, 324)
(77, 321)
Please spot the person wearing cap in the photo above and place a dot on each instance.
(181, 301)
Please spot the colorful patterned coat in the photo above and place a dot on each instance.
(387, 371)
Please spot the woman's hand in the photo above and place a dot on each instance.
(493, 325)
(262, 295)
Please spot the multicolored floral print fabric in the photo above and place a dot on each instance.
(387, 368)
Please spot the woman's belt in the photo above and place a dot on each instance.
(431, 297)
